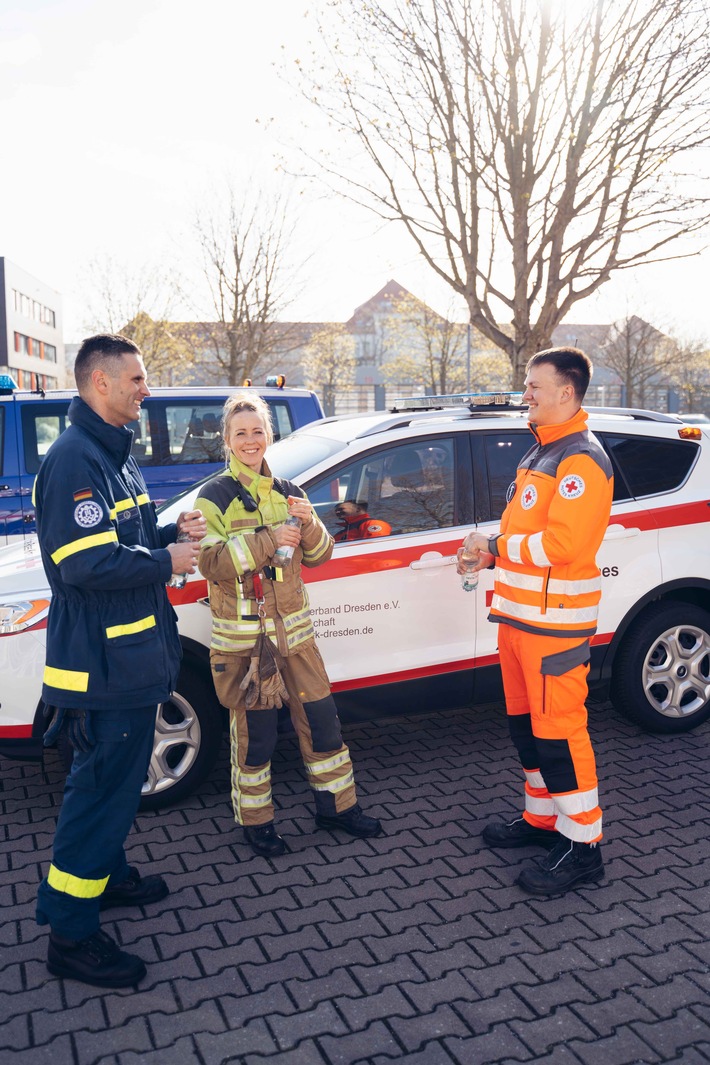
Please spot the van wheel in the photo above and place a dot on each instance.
(661, 674)
(188, 734)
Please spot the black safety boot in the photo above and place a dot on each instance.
(518, 833)
(135, 890)
(263, 840)
(95, 960)
(352, 821)
(566, 866)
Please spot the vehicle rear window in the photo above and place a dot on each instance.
(650, 466)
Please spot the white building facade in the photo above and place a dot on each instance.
(31, 340)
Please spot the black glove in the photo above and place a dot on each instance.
(77, 724)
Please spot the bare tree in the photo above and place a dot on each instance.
(429, 350)
(138, 301)
(530, 148)
(329, 362)
(643, 358)
(691, 376)
(246, 249)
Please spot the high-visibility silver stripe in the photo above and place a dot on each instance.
(558, 587)
(293, 639)
(579, 833)
(541, 807)
(252, 780)
(532, 614)
(534, 778)
(298, 618)
(528, 581)
(335, 785)
(537, 553)
(333, 763)
(513, 545)
(243, 561)
(255, 800)
(581, 802)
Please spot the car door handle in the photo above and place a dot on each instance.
(620, 532)
(433, 563)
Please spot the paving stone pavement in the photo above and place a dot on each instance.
(414, 947)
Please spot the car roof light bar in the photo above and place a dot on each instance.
(474, 401)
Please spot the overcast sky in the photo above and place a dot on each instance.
(118, 116)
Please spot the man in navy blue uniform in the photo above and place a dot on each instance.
(113, 654)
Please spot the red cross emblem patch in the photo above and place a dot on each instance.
(529, 497)
(572, 486)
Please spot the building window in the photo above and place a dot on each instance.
(50, 352)
(25, 305)
(16, 300)
(50, 317)
(36, 311)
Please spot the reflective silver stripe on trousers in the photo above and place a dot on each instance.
(579, 833)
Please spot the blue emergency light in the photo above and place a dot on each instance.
(8, 384)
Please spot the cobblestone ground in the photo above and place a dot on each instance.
(412, 947)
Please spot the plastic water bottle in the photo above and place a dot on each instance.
(469, 580)
(179, 580)
(284, 554)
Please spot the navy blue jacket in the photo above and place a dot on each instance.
(112, 637)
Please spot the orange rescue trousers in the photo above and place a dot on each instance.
(545, 682)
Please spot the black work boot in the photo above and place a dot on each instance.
(566, 866)
(263, 840)
(352, 821)
(135, 890)
(518, 833)
(95, 960)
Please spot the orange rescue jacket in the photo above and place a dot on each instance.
(546, 578)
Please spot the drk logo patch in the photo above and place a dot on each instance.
(529, 497)
(572, 487)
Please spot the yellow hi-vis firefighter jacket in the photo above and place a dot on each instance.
(241, 509)
(546, 578)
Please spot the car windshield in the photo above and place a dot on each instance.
(291, 456)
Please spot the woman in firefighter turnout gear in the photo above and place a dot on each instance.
(546, 601)
(263, 651)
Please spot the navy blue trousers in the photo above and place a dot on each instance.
(101, 798)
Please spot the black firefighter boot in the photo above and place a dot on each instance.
(568, 865)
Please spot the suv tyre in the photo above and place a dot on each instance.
(661, 677)
(188, 735)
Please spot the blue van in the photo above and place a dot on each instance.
(176, 442)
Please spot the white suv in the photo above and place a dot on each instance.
(396, 630)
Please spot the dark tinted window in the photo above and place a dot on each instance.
(41, 425)
(650, 466)
(496, 457)
(410, 487)
(2, 435)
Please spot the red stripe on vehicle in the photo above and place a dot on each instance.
(433, 671)
(16, 732)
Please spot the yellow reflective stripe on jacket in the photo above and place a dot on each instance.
(142, 499)
(120, 505)
(83, 544)
(70, 680)
(75, 885)
(134, 626)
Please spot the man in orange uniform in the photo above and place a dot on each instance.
(546, 597)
